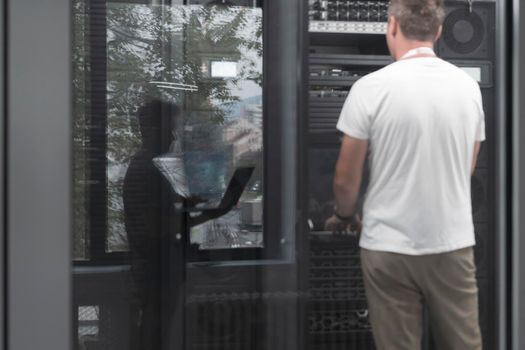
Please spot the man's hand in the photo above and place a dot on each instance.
(337, 226)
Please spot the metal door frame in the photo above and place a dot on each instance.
(3, 137)
(518, 171)
(38, 187)
(502, 174)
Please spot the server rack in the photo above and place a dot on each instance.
(478, 52)
(346, 42)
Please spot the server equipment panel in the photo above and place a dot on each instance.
(331, 77)
(348, 16)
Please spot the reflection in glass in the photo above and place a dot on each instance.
(168, 138)
(170, 248)
(88, 324)
(207, 60)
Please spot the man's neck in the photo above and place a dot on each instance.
(411, 45)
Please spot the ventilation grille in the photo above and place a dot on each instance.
(338, 312)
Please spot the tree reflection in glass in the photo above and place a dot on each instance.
(208, 61)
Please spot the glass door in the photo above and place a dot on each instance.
(185, 139)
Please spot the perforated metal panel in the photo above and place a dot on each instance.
(338, 312)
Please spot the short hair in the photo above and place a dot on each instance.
(418, 19)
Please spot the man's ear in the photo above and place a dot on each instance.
(438, 35)
(392, 26)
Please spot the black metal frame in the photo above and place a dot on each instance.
(97, 162)
(303, 242)
(3, 176)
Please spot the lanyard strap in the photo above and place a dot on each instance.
(423, 50)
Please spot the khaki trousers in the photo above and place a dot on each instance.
(398, 286)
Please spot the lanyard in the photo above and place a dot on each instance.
(419, 51)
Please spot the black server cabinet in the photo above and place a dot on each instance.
(346, 41)
(469, 41)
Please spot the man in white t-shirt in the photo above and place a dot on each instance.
(420, 121)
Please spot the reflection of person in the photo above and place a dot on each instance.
(142, 208)
(421, 120)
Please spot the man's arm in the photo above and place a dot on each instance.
(477, 146)
(348, 174)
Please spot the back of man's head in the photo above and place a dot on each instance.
(418, 19)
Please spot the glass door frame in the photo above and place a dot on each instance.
(38, 168)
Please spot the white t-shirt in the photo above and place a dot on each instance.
(422, 117)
